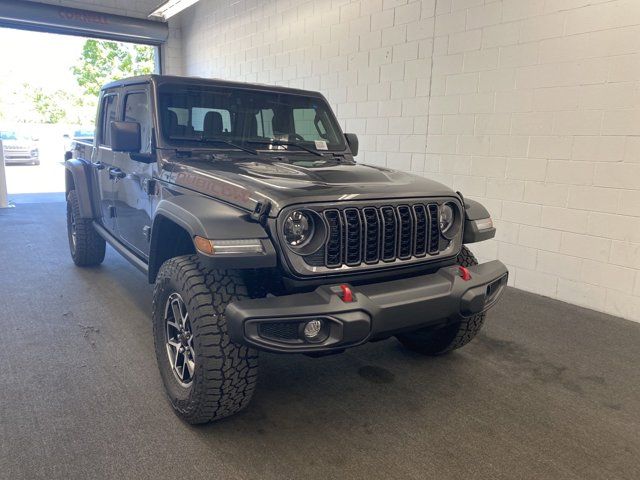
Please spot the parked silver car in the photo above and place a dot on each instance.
(19, 150)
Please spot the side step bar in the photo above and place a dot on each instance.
(121, 249)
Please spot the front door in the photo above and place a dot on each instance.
(132, 177)
(103, 158)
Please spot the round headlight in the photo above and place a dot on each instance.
(447, 218)
(298, 228)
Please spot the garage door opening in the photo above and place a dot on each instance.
(49, 87)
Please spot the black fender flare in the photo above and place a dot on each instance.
(78, 177)
(208, 218)
(475, 211)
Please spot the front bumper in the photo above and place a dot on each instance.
(19, 157)
(376, 311)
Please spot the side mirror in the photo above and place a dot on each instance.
(125, 137)
(68, 156)
(352, 141)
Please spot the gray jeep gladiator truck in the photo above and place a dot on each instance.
(244, 205)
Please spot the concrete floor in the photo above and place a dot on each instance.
(548, 390)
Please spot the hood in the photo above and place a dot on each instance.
(19, 143)
(246, 181)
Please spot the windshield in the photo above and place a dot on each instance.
(8, 136)
(264, 120)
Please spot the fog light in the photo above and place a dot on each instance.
(312, 330)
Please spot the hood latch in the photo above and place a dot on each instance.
(261, 212)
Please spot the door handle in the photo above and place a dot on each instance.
(99, 165)
(116, 173)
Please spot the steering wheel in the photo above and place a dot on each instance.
(297, 136)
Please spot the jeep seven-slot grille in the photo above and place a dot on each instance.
(371, 235)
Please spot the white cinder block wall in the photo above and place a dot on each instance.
(530, 106)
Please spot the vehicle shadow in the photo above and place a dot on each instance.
(323, 413)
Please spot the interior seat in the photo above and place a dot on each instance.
(212, 126)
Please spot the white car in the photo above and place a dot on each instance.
(19, 150)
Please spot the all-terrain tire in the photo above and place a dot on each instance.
(86, 246)
(225, 373)
(438, 341)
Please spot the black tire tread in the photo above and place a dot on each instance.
(450, 337)
(90, 247)
(226, 373)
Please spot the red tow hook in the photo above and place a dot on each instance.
(347, 294)
(465, 274)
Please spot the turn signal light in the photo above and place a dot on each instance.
(203, 245)
(243, 246)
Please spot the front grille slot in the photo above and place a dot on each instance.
(373, 234)
(420, 236)
(434, 228)
(353, 239)
(389, 233)
(333, 254)
(405, 239)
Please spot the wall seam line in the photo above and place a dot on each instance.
(433, 47)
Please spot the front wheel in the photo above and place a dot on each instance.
(438, 341)
(206, 376)
(86, 246)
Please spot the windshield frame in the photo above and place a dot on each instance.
(164, 141)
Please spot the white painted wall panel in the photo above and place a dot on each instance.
(530, 106)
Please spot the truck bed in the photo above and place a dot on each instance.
(82, 148)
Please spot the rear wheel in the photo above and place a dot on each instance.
(86, 246)
(438, 341)
(206, 376)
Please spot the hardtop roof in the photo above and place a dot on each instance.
(174, 79)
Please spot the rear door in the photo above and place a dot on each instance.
(102, 160)
(133, 185)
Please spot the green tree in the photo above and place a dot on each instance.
(52, 107)
(103, 61)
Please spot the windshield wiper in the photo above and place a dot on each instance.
(231, 144)
(283, 143)
(212, 140)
